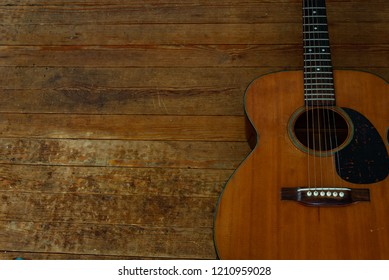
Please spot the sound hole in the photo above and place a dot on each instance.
(321, 129)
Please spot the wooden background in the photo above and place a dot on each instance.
(120, 120)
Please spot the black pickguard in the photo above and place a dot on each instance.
(365, 159)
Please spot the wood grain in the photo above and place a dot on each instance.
(111, 180)
(156, 77)
(252, 221)
(112, 12)
(137, 106)
(91, 239)
(131, 127)
(75, 208)
(157, 154)
(201, 101)
(186, 56)
(148, 34)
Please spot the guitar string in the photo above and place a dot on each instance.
(324, 108)
(316, 62)
(319, 107)
(332, 126)
(336, 160)
(311, 102)
(323, 81)
(322, 105)
(308, 77)
(313, 76)
(328, 92)
(331, 108)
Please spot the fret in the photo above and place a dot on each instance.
(319, 84)
(320, 39)
(318, 94)
(319, 99)
(314, 8)
(315, 16)
(318, 60)
(315, 47)
(309, 54)
(311, 24)
(327, 88)
(321, 90)
(316, 78)
(327, 72)
(330, 83)
(317, 54)
(316, 88)
(315, 32)
(316, 67)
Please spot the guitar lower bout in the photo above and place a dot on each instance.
(265, 209)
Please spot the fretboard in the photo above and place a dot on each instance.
(318, 75)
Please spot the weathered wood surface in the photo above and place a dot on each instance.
(70, 179)
(120, 121)
(149, 34)
(131, 127)
(106, 239)
(159, 154)
(185, 56)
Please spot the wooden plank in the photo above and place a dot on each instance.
(186, 56)
(186, 12)
(113, 180)
(165, 154)
(149, 34)
(95, 78)
(121, 2)
(151, 101)
(129, 127)
(119, 78)
(156, 55)
(76, 208)
(122, 240)
(12, 255)
(153, 3)
(87, 99)
(157, 13)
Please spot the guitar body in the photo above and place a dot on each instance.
(253, 222)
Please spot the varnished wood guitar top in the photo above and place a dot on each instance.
(316, 184)
(252, 219)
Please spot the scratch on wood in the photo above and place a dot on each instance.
(377, 229)
(161, 102)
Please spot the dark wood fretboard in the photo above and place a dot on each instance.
(318, 75)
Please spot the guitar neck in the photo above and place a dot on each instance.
(318, 74)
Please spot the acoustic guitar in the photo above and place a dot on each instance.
(315, 185)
